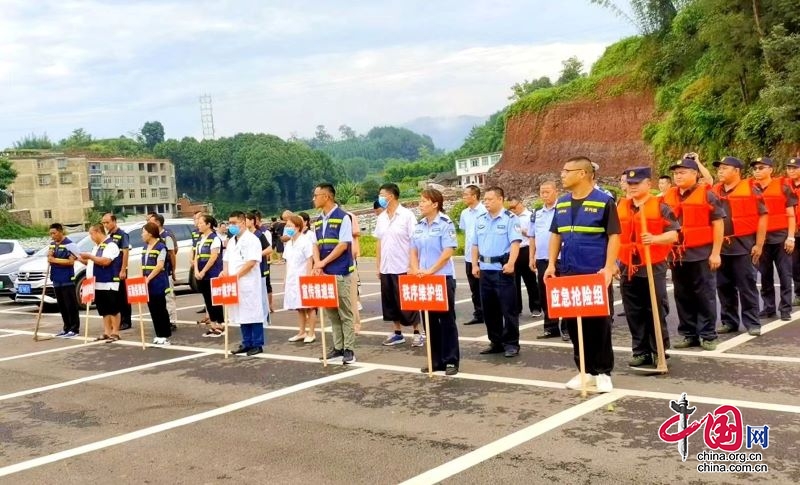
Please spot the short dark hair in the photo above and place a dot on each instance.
(497, 190)
(152, 229)
(392, 189)
(250, 216)
(57, 226)
(474, 190)
(111, 216)
(158, 217)
(434, 196)
(304, 215)
(584, 160)
(514, 197)
(328, 188)
(236, 214)
(665, 177)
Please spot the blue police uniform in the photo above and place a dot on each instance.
(430, 240)
(63, 278)
(157, 289)
(584, 226)
(494, 236)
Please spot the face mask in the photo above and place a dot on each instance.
(383, 202)
(233, 230)
(290, 232)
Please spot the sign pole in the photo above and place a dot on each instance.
(41, 306)
(661, 365)
(86, 325)
(428, 344)
(581, 356)
(141, 326)
(225, 331)
(324, 345)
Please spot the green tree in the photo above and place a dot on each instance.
(153, 133)
(78, 139)
(782, 72)
(648, 16)
(347, 133)
(34, 142)
(572, 69)
(7, 173)
(520, 90)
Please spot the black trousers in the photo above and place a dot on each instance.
(695, 299)
(500, 309)
(736, 283)
(124, 306)
(639, 312)
(598, 352)
(157, 305)
(68, 306)
(550, 324)
(475, 292)
(522, 272)
(215, 313)
(444, 332)
(774, 254)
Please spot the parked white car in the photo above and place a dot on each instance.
(11, 249)
(30, 278)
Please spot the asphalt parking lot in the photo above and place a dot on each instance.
(114, 413)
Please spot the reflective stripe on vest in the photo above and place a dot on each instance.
(744, 208)
(694, 214)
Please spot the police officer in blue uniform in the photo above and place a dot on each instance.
(496, 247)
(61, 256)
(432, 246)
(586, 233)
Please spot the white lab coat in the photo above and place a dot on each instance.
(250, 308)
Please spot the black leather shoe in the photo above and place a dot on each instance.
(767, 315)
(474, 321)
(565, 337)
(255, 350)
(424, 370)
(547, 334)
(125, 326)
(492, 350)
(241, 350)
(511, 353)
(786, 317)
(451, 370)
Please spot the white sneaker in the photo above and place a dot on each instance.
(604, 383)
(575, 382)
(155, 340)
(418, 340)
(165, 341)
(309, 339)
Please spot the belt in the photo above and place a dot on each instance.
(493, 259)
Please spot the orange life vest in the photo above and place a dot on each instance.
(743, 203)
(694, 212)
(631, 230)
(796, 190)
(775, 200)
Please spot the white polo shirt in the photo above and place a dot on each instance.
(395, 237)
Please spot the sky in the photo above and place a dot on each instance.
(280, 67)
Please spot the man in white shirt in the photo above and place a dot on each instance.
(472, 197)
(104, 264)
(522, 272)
(241, 259)
(393, 230)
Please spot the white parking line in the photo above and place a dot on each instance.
(49, 351)
(101, 376)
(513, 440)
(159, 428)
(745, 337)
(10, 335)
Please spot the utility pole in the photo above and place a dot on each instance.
(207, 117)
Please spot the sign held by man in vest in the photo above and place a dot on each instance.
(320, 291)
(136, 290)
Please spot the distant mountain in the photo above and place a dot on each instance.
(447, 132)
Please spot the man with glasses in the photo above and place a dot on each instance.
(522, 270)
(745, 232)
(779, 243)
(585, 233)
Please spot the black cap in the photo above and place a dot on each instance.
(763, 161)
(637, 174)
(730, 161)
(685, 163)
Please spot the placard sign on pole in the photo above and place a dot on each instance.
(224, 292)
(136, 289)
(577, 297)
(427, 294)
(320, 292)
(87, 297)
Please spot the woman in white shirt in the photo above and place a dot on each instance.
(298, 255)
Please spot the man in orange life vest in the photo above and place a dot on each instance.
(697, 256)
(745, 231)
(779, 244)
(661, 232)
(793, 173)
